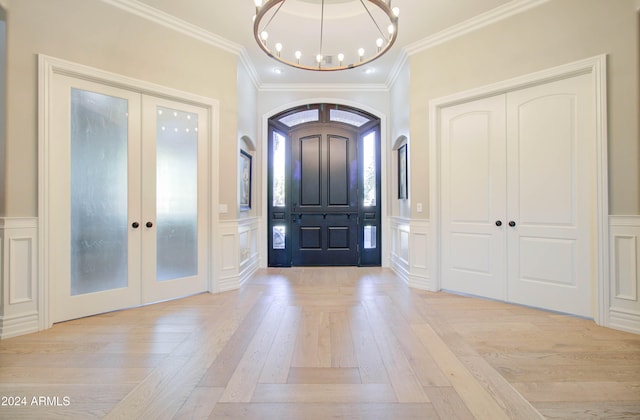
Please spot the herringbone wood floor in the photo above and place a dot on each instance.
(320, 343)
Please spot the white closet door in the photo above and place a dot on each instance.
(551, 193)
(94, 167)
(473, 197)
(175, 199)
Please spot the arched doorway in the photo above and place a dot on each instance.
(324, 190)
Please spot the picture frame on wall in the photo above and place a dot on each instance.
(403, 191)
(246, 175)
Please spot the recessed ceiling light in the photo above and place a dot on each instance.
(369, 70)
(278, 70)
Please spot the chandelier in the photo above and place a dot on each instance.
(325, 35)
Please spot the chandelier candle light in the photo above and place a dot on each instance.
(382, 18)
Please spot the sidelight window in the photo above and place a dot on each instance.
(279, 237)
(369, 172)
(279, 177)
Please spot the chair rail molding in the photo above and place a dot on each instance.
(21, 303)
(624, 299)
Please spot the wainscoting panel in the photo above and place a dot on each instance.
(400, 233)
(624, 305)
(248, 239)
(239, 257)
(419, 255)
(410, 253)
(19, 308)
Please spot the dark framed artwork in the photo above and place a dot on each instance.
(246, 175)
(403, 191)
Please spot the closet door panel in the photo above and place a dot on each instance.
(550, 195)
(473, 197)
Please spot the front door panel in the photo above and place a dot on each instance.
(324, 212)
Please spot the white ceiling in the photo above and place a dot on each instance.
(232, 20)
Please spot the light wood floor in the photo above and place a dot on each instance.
(324, 343)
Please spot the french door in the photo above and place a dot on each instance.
(129, 207)
(518, 196)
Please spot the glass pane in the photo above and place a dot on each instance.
(369, 172)
(176, 193)
(99, 228)
(301, 117)
(279, 239)
(279, 156)
(369, 237)
(347, 117)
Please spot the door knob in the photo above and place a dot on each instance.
(512, 223)
(498, 223)
(149, 224)
(135, 225)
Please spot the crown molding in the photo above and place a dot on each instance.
(246, 62)
(505, 11)
(169, 21)
(397, 68)
(322, 87)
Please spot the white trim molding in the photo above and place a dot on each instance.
(152, 14)
(21, 296)
(596, 66)
(497, 14)
(624, 290)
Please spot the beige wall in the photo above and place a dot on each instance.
(558, 32)
(95, 34)
(248, 126)
(399, 126)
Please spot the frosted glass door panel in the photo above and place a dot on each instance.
(93, 179)
(99, 231)
(176, 194)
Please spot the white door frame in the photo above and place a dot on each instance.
(47, 67)
(596, 66)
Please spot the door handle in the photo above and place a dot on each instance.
(149, 224)
(135, 225)
(498, 223)
(512, 223)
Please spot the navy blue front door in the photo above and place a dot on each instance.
(324, 190)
